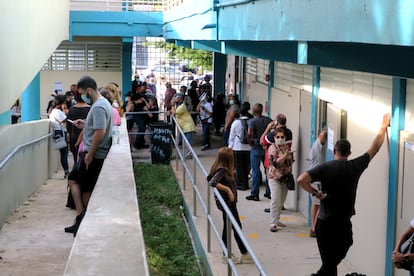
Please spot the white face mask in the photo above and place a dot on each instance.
(280, 141)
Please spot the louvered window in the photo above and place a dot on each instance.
(251, 66)
(86, 57)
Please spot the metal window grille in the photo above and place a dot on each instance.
(86, 57)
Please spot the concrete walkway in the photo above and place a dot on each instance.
(288, 252)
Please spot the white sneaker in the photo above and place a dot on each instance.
(246, 259)
(234, 258)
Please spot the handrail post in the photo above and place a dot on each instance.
(195, 184)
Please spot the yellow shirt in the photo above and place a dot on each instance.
(184, 119)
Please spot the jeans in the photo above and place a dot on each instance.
(206, 134)
(256, 157)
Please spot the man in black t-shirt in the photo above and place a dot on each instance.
(339, 180)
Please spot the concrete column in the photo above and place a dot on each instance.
(126, 65)
(219, 66)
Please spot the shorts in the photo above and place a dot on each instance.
(315, 200)
(86, 178)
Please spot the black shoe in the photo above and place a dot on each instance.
(74, 228)
(268, 196)
(253, 197)
(267, 210)
(241, 188)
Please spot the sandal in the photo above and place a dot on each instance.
(281, 224)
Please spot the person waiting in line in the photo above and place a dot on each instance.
(241, 150)
(153, 109)
(221, 176)
(58, 118)
(194, 96)
(268, 138)
(117, 101)
(96, 144)
(219, 113)
(316, 157)
(398, 258)
(15, 112)
(140, 101)
(168, 97)
(339, 182)
(69, 99)
(110, 96)
(205, 108)
(78, 111)
(184, 120)
(130, 121)
(257, 126)
(280, 159)
(231, 115)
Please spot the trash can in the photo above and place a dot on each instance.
(161, 142)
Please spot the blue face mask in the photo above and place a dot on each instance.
(231, 102)
(86, 99)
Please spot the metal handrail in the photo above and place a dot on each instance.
(231, 221)
(20, 147)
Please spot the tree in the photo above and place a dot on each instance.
(195, 58)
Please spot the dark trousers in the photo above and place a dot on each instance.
(242, 163)
(334, 240)
(141, 124)
(235, 213)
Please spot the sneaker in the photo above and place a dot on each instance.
(233, 258)
(273, 228)
(268, 196)
(267, 210)
(246, 259)
(205, 147)
(241, 188)
(253, 197)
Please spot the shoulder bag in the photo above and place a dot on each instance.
(407, 248)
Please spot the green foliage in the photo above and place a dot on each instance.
(168, 246)
(196, 58)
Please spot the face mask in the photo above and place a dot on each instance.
(52, 98)
(280, 141)
(86, 99)
(231, 102)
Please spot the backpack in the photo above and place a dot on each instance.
(243, 135)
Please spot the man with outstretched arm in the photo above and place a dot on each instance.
(339, 180)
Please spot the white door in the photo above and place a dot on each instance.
(303, 147)
(405, 192)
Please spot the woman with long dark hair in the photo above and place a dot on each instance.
(222, 177)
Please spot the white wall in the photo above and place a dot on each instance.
(26, 47)
(48, 79)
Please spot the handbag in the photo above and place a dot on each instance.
(290, 182)
(407, 248)
(59, 139)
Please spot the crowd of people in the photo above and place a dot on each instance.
(249, 140)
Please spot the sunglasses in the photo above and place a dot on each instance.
(277, 137)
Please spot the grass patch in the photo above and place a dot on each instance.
(167, 242)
